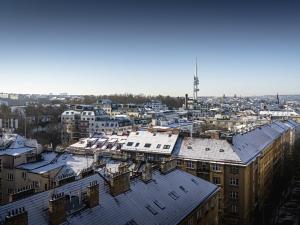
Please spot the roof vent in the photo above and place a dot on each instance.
(207, 149)
(221, 150)
(189, 146)
(137, 133)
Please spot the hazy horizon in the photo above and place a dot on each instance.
(96, 47)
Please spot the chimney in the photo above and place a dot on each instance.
(57, 209)
(186, 101)
(168, 166)
(93, 194)
(86, 172)
(17, 217)
(215, 135)
(20, 193)
(119, 183)
(147, 173)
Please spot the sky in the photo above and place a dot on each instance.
(150, 47)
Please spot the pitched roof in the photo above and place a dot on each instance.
(168, 199)
(151, 142)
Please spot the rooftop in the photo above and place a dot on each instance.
(168, 199)
(152, 142)
(207, 150)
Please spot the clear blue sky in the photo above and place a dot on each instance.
(93, 47)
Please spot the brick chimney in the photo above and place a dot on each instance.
(215, 135)
(119, 183)
(147, 173)
(86, 172)
(22, 192)
(17, 217)
(57, 209)
(168, 166)
(93, 194)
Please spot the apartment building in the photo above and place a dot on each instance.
(244, 168)
(70, 126)
(113, 125)
(25, 169)
(14, 151)
(172, 197)
(150, 145)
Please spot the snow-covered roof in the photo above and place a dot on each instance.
(70, 113)
(14, 145)
(250, 145)
(279, 113)
(207, 150)
(244, 148)
(68, 162)
(168, 200)
(151, 142)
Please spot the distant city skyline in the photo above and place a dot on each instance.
(94, 47)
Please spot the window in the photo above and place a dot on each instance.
(158, 146)
(190, 164)
(129, 143)
(204, 166)
(10, 190)
(131, 222)
(217, 180)
(159, 205)
(216, 167)
(234, 169)
(0, 165)
(166, 146)
(183, 189)
(151, 209)
(10, 176)
(234, 208)
(147, 145)
(234, 195)
(150, 157)
(234, 181)
(24, 174)
(179, 162)
(199, 214)
(174, 195)
(194, 181)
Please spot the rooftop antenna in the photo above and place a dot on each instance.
(196, 82)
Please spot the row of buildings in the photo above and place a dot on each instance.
(65, 188)
(244, 166)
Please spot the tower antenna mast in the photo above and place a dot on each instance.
(196, 82)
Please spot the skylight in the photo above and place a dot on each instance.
(147, 145)
(183, 189)
(166, 146)
(129, 143)
(194, 181)
(174, 195)
(153, 211)
(159, 205)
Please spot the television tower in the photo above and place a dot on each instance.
(196, 83)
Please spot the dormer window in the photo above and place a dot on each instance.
(129, 143)
(147, 145)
